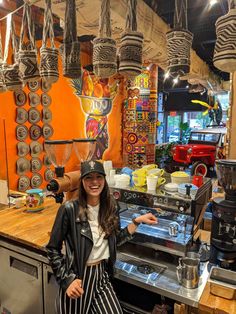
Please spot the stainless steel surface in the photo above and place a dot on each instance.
(50, 288)
(158, 236)
(30, 253)
(20, 284)
(166, 284)
(223, 276)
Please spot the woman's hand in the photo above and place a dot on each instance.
(148, 219)
(75, 289)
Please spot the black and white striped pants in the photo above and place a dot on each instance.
(98, 298)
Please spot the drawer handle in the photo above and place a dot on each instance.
(24, 267)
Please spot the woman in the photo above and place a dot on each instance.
(89, 228)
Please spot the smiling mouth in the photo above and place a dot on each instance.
(94, 188)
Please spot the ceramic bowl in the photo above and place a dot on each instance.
(179, 177)
(171, 187)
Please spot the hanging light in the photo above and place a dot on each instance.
(212, 2)
(166, 75)
(175, 80)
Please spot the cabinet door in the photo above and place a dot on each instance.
(20, 284)
(50, 288)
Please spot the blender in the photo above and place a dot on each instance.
(223, 231)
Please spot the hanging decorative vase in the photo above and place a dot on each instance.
(28, 57)
(11, 72)
(225, 48)
(48, 55)
(179, 42)
(104, 47)
(71, 48)
(2, 83)
(130, 60)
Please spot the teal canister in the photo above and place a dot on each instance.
(34, 200)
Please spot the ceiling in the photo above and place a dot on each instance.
(201, 22)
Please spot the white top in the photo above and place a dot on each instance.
(100, 248)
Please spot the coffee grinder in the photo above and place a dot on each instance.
(223, 231)
(59, 152)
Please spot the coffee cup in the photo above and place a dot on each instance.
(149, 167)
(197, 180)
(160, 181)
(156, 172)
(152, 183)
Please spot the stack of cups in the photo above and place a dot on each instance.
(107, 164)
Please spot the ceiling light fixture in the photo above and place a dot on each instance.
(212, 2)
(175, 80)
(166, 75)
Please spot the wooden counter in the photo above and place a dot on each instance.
(31, 229)
(212, 304)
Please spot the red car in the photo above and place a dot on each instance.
(203, 148)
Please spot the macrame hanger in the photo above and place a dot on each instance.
(131, 21)
(48, 25)
(15, 44)
(105, 19)
(180, 14)
(7, 38)
(1, 51)
(27, 20)
(70, 31)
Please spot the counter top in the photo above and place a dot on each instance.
(31, 229)
(212, 304)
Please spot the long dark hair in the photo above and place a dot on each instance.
(107, 217)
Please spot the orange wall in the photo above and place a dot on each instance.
(68, 122)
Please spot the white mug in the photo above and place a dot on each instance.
(152, 183)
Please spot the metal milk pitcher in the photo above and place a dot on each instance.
(188, 272)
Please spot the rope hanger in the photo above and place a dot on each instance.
(18, 9)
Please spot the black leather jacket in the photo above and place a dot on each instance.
(77, 237)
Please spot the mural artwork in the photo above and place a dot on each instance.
(96, 96)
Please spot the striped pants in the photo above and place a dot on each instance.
(98, 298)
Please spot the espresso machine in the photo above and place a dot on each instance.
(177, 215)
(223, 231)
(148, 261)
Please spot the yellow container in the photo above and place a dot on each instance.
(140, 177)
(179, 177)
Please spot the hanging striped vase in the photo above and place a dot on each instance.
(131, 46)
(179, 43)
(225, 48)
(104, 47)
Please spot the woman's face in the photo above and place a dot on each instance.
(93, 184)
